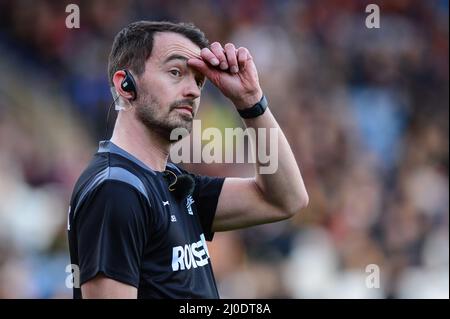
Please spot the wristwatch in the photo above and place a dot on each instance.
(256, 110)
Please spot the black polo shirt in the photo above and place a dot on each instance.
(126, 224)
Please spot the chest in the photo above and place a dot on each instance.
(176, 222)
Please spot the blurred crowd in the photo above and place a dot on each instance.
(365, 111)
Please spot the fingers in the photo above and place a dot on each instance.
(218, 51)
(200, 66)
(242, 57)
(207, 55)
(230, 52)
(227, 58)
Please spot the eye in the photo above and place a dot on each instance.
(175, 72)
(200, 82)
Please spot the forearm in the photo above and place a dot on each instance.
(280, 179)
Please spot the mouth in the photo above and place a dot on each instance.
(185, 109)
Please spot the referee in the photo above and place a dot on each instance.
(138, 225)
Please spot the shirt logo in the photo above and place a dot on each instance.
(173, 218)
(165, 203)
(190, 255)
(189, 202)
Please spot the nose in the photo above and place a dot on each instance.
(191, 89)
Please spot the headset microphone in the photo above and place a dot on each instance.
(182, 186)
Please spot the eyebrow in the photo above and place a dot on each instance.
(175, 57)
(183, 58)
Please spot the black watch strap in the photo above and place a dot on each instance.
(256, 110)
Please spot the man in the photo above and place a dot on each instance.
(129, 233)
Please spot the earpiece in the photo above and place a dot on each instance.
(128, 84)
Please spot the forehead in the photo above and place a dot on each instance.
(166, 44)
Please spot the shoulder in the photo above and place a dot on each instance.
(112, 179)
(114, 186)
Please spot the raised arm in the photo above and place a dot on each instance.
(273, 194)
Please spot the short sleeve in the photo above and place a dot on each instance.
(112, 231)
(206, 196)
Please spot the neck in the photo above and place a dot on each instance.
(146, 145)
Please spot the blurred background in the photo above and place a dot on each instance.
(365, 111)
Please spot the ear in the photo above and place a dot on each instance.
(117, 81)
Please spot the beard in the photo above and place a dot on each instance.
(155, 117)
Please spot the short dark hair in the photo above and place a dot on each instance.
(133, 44)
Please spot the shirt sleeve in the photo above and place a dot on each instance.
(112, 230)
(206, 196)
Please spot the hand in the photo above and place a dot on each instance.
(232, 71)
